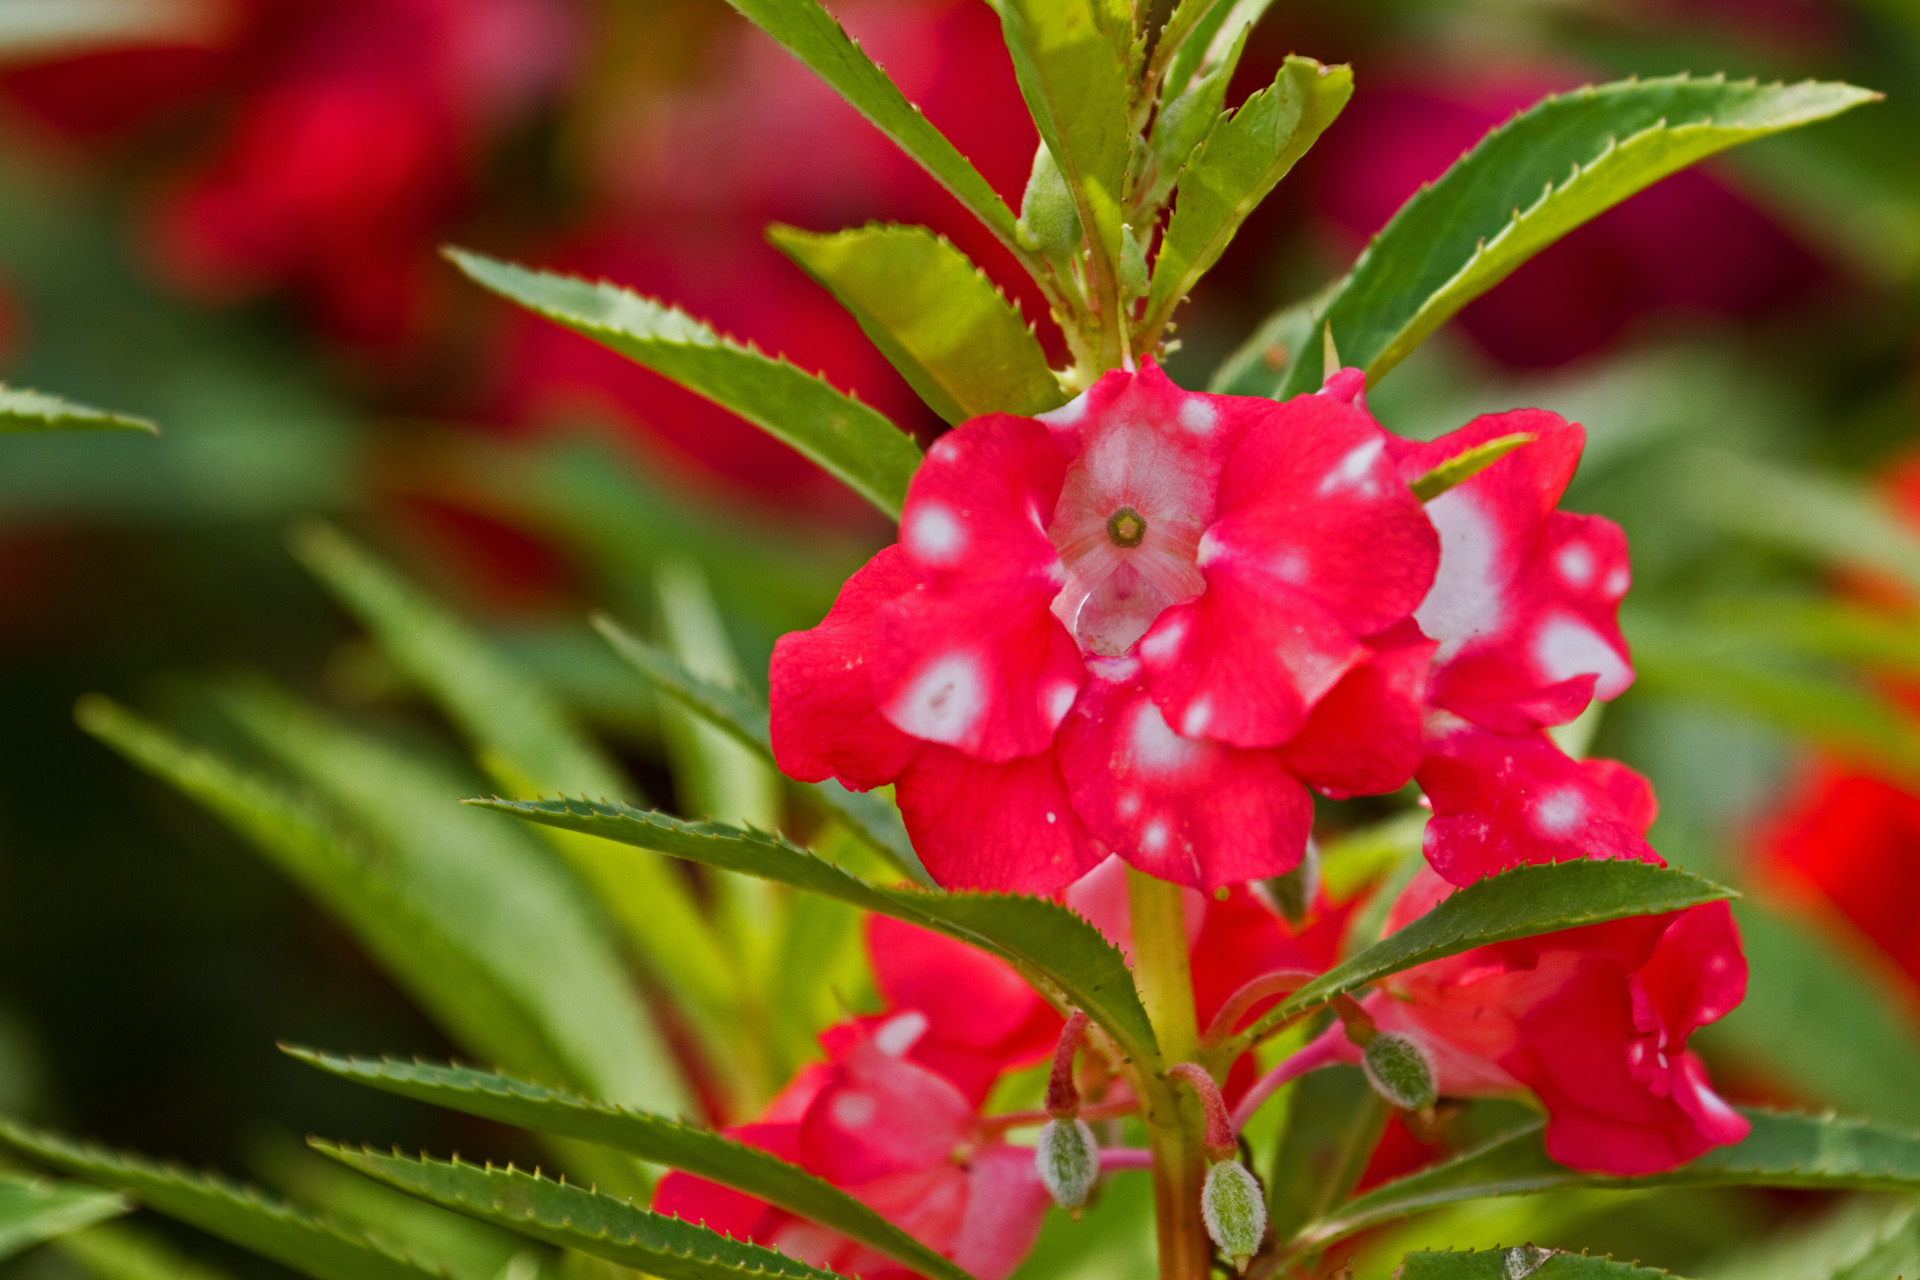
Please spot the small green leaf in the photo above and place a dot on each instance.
(1184, 122)
(24, 410)
(1042, 938)
(1333, 1126)
(34, 1210)
(876, 822)
(1784, 1150)
(1521, 903)
(811, 34)
(1243, 156)
(1521, 1262)
(855, 443)
(1464, 467)
(236, 1214)
(1531, 181)
(1075, 84)
(1215, 42)
(526, 741)
(576, 1218)
(707, 1155)
(945, 326)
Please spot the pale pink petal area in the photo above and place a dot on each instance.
(1008, 826)
(1246, 662)
(1189, 810)
(985, 669)
(1365, 737)
(825, 722)
(858, 1128)
(1005, 1206)
(1525, 601)
(983, 1018)
(1137, 498)
(1502, 800)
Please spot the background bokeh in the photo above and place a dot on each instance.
(231, 224)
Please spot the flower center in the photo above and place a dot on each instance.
(1126, 528)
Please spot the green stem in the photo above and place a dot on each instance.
(1161, 970)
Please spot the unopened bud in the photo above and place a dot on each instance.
(1068, 1161)
(1400, 1070)
(1049, 219)
(1235, 1211)
(1133, 264)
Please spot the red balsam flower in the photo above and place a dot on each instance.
(1143, 624)
(1593, 1021)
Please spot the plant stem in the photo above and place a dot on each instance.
(1173, 1120)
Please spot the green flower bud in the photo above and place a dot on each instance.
(1400, 1070)
(1133, 264)
(1235, 1211)
(1067, 1161)
(1049, 220)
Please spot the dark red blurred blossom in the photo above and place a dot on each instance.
(1689, 245)
(688, 181)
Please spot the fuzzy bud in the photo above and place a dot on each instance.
(1049, 220)
(1400, 1070)
(1068, 1161)
(1235, 1211)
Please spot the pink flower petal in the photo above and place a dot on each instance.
(825, 722)
(1189, 810)
(1364, 737)
(1503, 800)
(1008, 826)
(881, 1115)
(1006, 1204)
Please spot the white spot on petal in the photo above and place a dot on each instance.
(1156, 748)
(944, 702)
(1557, 813)
(1068, 414)
(1154, 838)
(1059, 701)
(900, 1033)
(1199, 417)
(1129, 806)
(1576, 564)
(935, 535)
(853, 1110)
(1468, 593)
(1164, 645)
(1565, 647)
(1199, 715)
(1355, 471)
(1052, 817)
(1618, 581)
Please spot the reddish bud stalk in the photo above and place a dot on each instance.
(1063, 1096)
(1280, 982)
(1358, 1022)
(1219, 1138)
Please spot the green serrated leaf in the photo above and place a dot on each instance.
(1530, 182)
(506, 903)
(576, 1218)
(236, 1214)
(875, 821)
(1521, 1262)
(811, 34)
(1244, 155)
(526, 741)
(1333, 1126)
(1784, 1150)
(1864, 1237)
(458, 985)
(850, 440)
(24, 410)
(1521, 903)
(1463, 467)
(661, 1141)
(944, 325)
(35, 1210)
(1184, 122)
(1075, 84)
(1042, 938)
(1214, 42)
